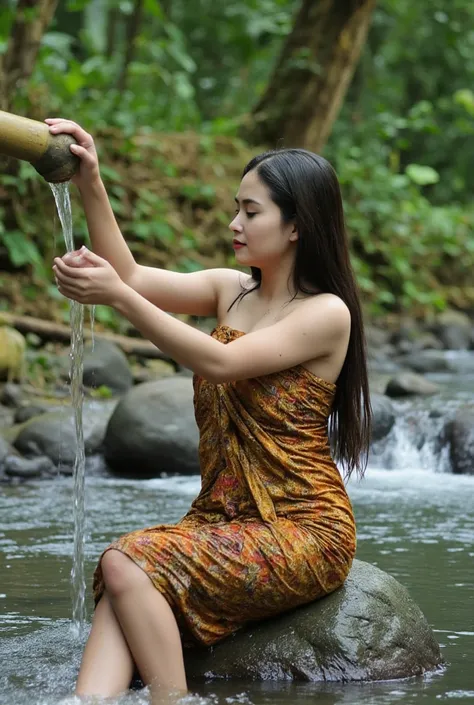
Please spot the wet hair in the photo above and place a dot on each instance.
(305, 188)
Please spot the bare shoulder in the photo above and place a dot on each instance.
(315, 333)
(229, 283)
(330, 308)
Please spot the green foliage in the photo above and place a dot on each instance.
(403, 144)
(102, 392)
(413, 91)
(107, 316)
(408, 253)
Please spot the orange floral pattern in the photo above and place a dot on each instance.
(272, 527)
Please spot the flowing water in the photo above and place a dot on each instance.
(414, 521)
(78, 584)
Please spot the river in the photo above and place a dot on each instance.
(414, 521)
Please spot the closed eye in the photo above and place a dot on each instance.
(249, 215)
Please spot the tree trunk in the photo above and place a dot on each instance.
(312, 75)
(113, 17)
(132, 30)
(17, 63)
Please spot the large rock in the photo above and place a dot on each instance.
(5, 449)
(6, 416)
(383, 416)
(376, 337)
(426, 361)
(27, 468)
(370, 629)
(153, 430)
(424, 341)
(459, 432)
(106, 365)
(405, 384)
(455, 329)
(12, 395)
(53, 434)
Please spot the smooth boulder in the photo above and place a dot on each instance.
(5, 449)
(368, 630)
(54, 435)
(459, 432)
(426, 361)
(455, 330)
(153, 430)
(383, 416)
(405, 384)
(106, 365)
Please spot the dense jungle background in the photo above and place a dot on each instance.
(180, 94)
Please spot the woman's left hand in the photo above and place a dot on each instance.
(87, 278)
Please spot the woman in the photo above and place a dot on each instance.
(272, 527)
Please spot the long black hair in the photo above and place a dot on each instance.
(305, 188)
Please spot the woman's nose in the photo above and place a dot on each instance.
(235, 226)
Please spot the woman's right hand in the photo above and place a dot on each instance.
(88, 173)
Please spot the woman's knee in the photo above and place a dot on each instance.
(120, 573)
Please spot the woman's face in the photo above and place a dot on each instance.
(258, 225)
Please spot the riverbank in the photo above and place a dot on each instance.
(140, 408)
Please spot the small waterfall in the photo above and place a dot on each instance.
(417, 439)
(63, 205)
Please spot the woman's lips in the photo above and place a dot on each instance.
(237, 245)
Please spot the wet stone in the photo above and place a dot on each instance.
(12, 395)
(383, 416)
(16, 466)
(406, 384)
(25, 413)
(368, 630)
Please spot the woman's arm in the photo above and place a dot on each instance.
(312, 330)
(106, 237)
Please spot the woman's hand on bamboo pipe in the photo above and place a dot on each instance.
(88, 173)
(87, 278)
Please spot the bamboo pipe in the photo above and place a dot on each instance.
(32, 141)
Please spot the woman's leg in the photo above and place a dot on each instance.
(147, 622)
(107, 664)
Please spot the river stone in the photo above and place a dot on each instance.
(5, 449)
(106, 365)
(27, 412)
(425, 361)
(406, 384)
(455, 329)
(26, 468)
(6, 416)
(460, 434)
(425, 341)
(53, 434)
(153, 430)
(376, 337)
(456, 337)
(383, 416)
(12, 395)
(368, 630)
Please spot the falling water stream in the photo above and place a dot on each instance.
(63, 205)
